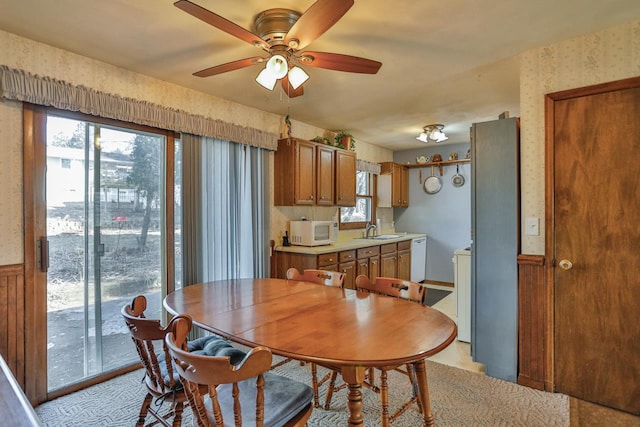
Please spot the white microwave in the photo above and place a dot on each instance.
(313, 233)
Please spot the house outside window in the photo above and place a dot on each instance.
(364, 211)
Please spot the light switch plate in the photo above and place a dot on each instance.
(532, 227)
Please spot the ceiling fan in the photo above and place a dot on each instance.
(282, 34)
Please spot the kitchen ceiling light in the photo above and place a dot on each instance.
(432, 133)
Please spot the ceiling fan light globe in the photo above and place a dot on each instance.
(278, 66)
(266, 79)
(297, 76)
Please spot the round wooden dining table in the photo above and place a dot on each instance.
(341, 328)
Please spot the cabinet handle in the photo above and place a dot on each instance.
(310, 197)
(330, 259)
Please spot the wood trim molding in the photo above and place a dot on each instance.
(532, 311)
(12, 315)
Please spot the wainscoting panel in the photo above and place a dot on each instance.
(532, 312)
(12, 319)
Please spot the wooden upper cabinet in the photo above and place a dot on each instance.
(295, 172)
(325, 175)
(393, 185)
(307, 173)
(345, 178)
(404, 186)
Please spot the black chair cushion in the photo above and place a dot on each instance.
(212, 345)
(283, 399)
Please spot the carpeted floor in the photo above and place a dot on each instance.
(458, 398)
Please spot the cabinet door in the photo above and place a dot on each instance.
(349, 269)
(304, 181)
(404, 265)
(396, 186)
(404, 186)
(363, 267)
(374, 268)
(388, 265)
(325, 176)
(345, 178)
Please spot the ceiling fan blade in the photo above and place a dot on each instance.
(315, 21)
(339, 62)
(220, 23)
(229, 66)
(289, 90)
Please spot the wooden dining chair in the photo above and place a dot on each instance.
(244, 394)
(320, 277)
(160, 379)
(396, 288)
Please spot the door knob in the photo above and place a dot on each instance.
(565, 264)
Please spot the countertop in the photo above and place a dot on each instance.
(347, 244)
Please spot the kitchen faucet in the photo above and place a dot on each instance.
(368, 229)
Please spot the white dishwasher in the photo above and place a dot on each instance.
(418, 259)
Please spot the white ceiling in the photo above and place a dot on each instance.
(452, 62)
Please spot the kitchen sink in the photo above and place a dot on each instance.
(381, 237)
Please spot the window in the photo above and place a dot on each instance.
(65, 163)
(364, 210)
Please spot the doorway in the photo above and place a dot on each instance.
(103, 191)
(592, 158)
(102, 223)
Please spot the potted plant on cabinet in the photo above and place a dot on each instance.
(322, 140)
(345, 140)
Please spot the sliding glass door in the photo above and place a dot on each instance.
(105, 227)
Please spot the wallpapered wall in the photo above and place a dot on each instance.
(605, 56)
(594, 58)
(38, 58)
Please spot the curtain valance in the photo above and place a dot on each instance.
(20, 85)
(364, 166)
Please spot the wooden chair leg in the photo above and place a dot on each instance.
(144, 409)
(384, 398)
(314, 385)
(330, 387)
(177, 414)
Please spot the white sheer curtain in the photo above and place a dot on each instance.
(225, 210)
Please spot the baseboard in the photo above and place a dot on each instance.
(434, 284)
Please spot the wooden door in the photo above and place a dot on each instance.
(594, 153)
(325, 175)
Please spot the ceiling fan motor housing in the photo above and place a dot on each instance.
(272, 25)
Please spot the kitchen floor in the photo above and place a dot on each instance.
(458, 354)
